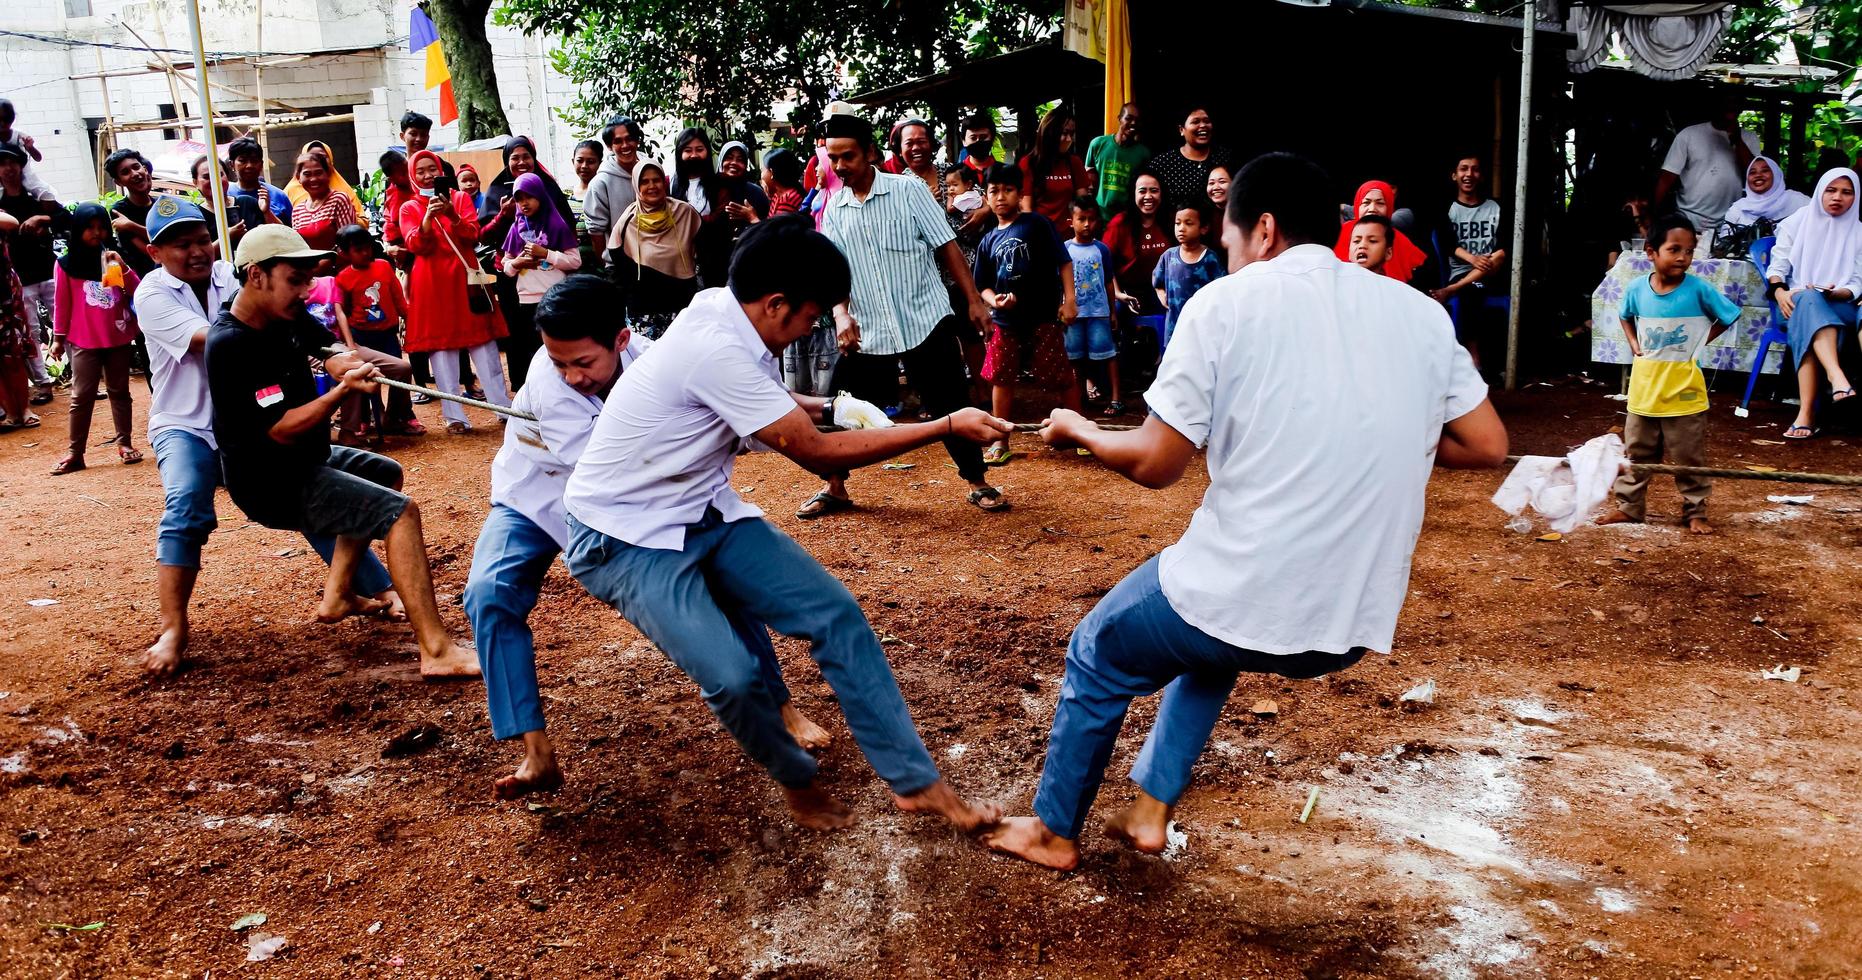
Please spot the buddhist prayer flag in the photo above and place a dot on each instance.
(423, 37)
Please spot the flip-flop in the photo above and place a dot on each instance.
(1842, 395)
(823, 504)
(128, 454)
(70, 464)
(997, 456)
(1808, 433)
(990, 494)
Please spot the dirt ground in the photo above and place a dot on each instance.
(1604, 785)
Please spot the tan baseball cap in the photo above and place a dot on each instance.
(275, 242)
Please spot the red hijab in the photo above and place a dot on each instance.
(1405, 257)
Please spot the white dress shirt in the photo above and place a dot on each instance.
(170, 315)
(663, 449)
(532, 468)
(1320, 390)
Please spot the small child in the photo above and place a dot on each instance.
(373, 308)
(1668, 317)
(960, 187)
(91, 314)
(540, 251)
(1370, 242)
(1089, 337)
(1026, 277)
(1185, 267)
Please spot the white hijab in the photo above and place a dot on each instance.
(1824, 246)
(1776, 204)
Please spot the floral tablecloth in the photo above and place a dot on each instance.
(1735, 349)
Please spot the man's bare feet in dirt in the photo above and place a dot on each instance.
(164, 656)
(397, 610)
(538, 773)
(1029, 839)
(1617, 517)
(810, 736)
(1142, 825)
(335, 610)
(939, 799)
(455, 662)
(816, 809)
(1699, 525)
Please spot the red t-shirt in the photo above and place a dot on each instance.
(372, 298)
(1054, 191)
(391, 200)
(1136, 251)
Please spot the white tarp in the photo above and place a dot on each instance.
(1666, 41)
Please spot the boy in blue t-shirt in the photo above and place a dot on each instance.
(1026, 277)
(1089, 337)
(1668, 318)
(1185, 267)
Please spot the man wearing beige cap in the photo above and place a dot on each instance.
(274, 434)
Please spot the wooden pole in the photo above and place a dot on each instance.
(174, 90)
(107, 135)
(216, 179)
(1521, 165)
(258, 88)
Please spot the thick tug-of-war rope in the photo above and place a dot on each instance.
(1717, 473)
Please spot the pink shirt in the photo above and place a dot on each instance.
(91, 315)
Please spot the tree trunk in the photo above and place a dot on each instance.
(461, 25)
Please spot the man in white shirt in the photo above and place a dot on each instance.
(586, 348)
(175, 307)
(1322, 392)
(1709, 161)
(656, 531)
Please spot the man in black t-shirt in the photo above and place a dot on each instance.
(274, 434)
(135, 176)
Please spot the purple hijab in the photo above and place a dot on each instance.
(547, 227)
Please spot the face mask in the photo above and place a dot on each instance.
(979, 147)
(425, 191)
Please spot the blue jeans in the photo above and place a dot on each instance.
(508, 564)
(694, 604)
(1133, 643)
(190, 472)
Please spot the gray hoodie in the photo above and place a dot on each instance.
(609, 194)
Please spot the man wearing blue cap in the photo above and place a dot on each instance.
(175, 306)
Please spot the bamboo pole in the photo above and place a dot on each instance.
(1521, 165)
(107, 135)
(174, 91)
(217, 180)
(258, 87)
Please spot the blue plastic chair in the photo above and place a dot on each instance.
(1760, 254)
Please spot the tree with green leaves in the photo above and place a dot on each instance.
(461, 26)
(725, 63)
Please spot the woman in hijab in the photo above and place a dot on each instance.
(1378, 197)
(1816, 275)
(324, 210)
(653, 252)
(497, 213)
(539, 252)
(1756, 215)
(448, 313)
(296, 192)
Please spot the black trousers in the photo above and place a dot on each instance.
(935, 368)
(522, 344)
(423, 369)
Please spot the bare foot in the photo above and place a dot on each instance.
(940, 799)
(537, 774)
(810, 736)
(1699, 525)
(1142, 825)
(164, 657)
(453, 663)
(1617, 517)
(397, 610)
(816, 809)
(1029, 839)
(337, 610)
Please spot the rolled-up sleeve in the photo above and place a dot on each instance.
(168, 323)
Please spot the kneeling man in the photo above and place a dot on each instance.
(1323, 392)
(274, 435)
(656, 531)
(586, 349)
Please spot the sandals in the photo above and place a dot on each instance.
(988, 499)
(128, 454)
(1115, 408)
(821, 505)
(457, 428)
(8, 425)
(1841, 395)
(997, 455)
(70, 464)
(421, 398)
(411, 427)
(1808, 433)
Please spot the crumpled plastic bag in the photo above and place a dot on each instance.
(1565, 490)
(853, 413)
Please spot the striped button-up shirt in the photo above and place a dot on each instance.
(890, 239)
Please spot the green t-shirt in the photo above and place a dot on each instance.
(1117, 166)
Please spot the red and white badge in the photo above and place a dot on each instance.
(267, 397)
